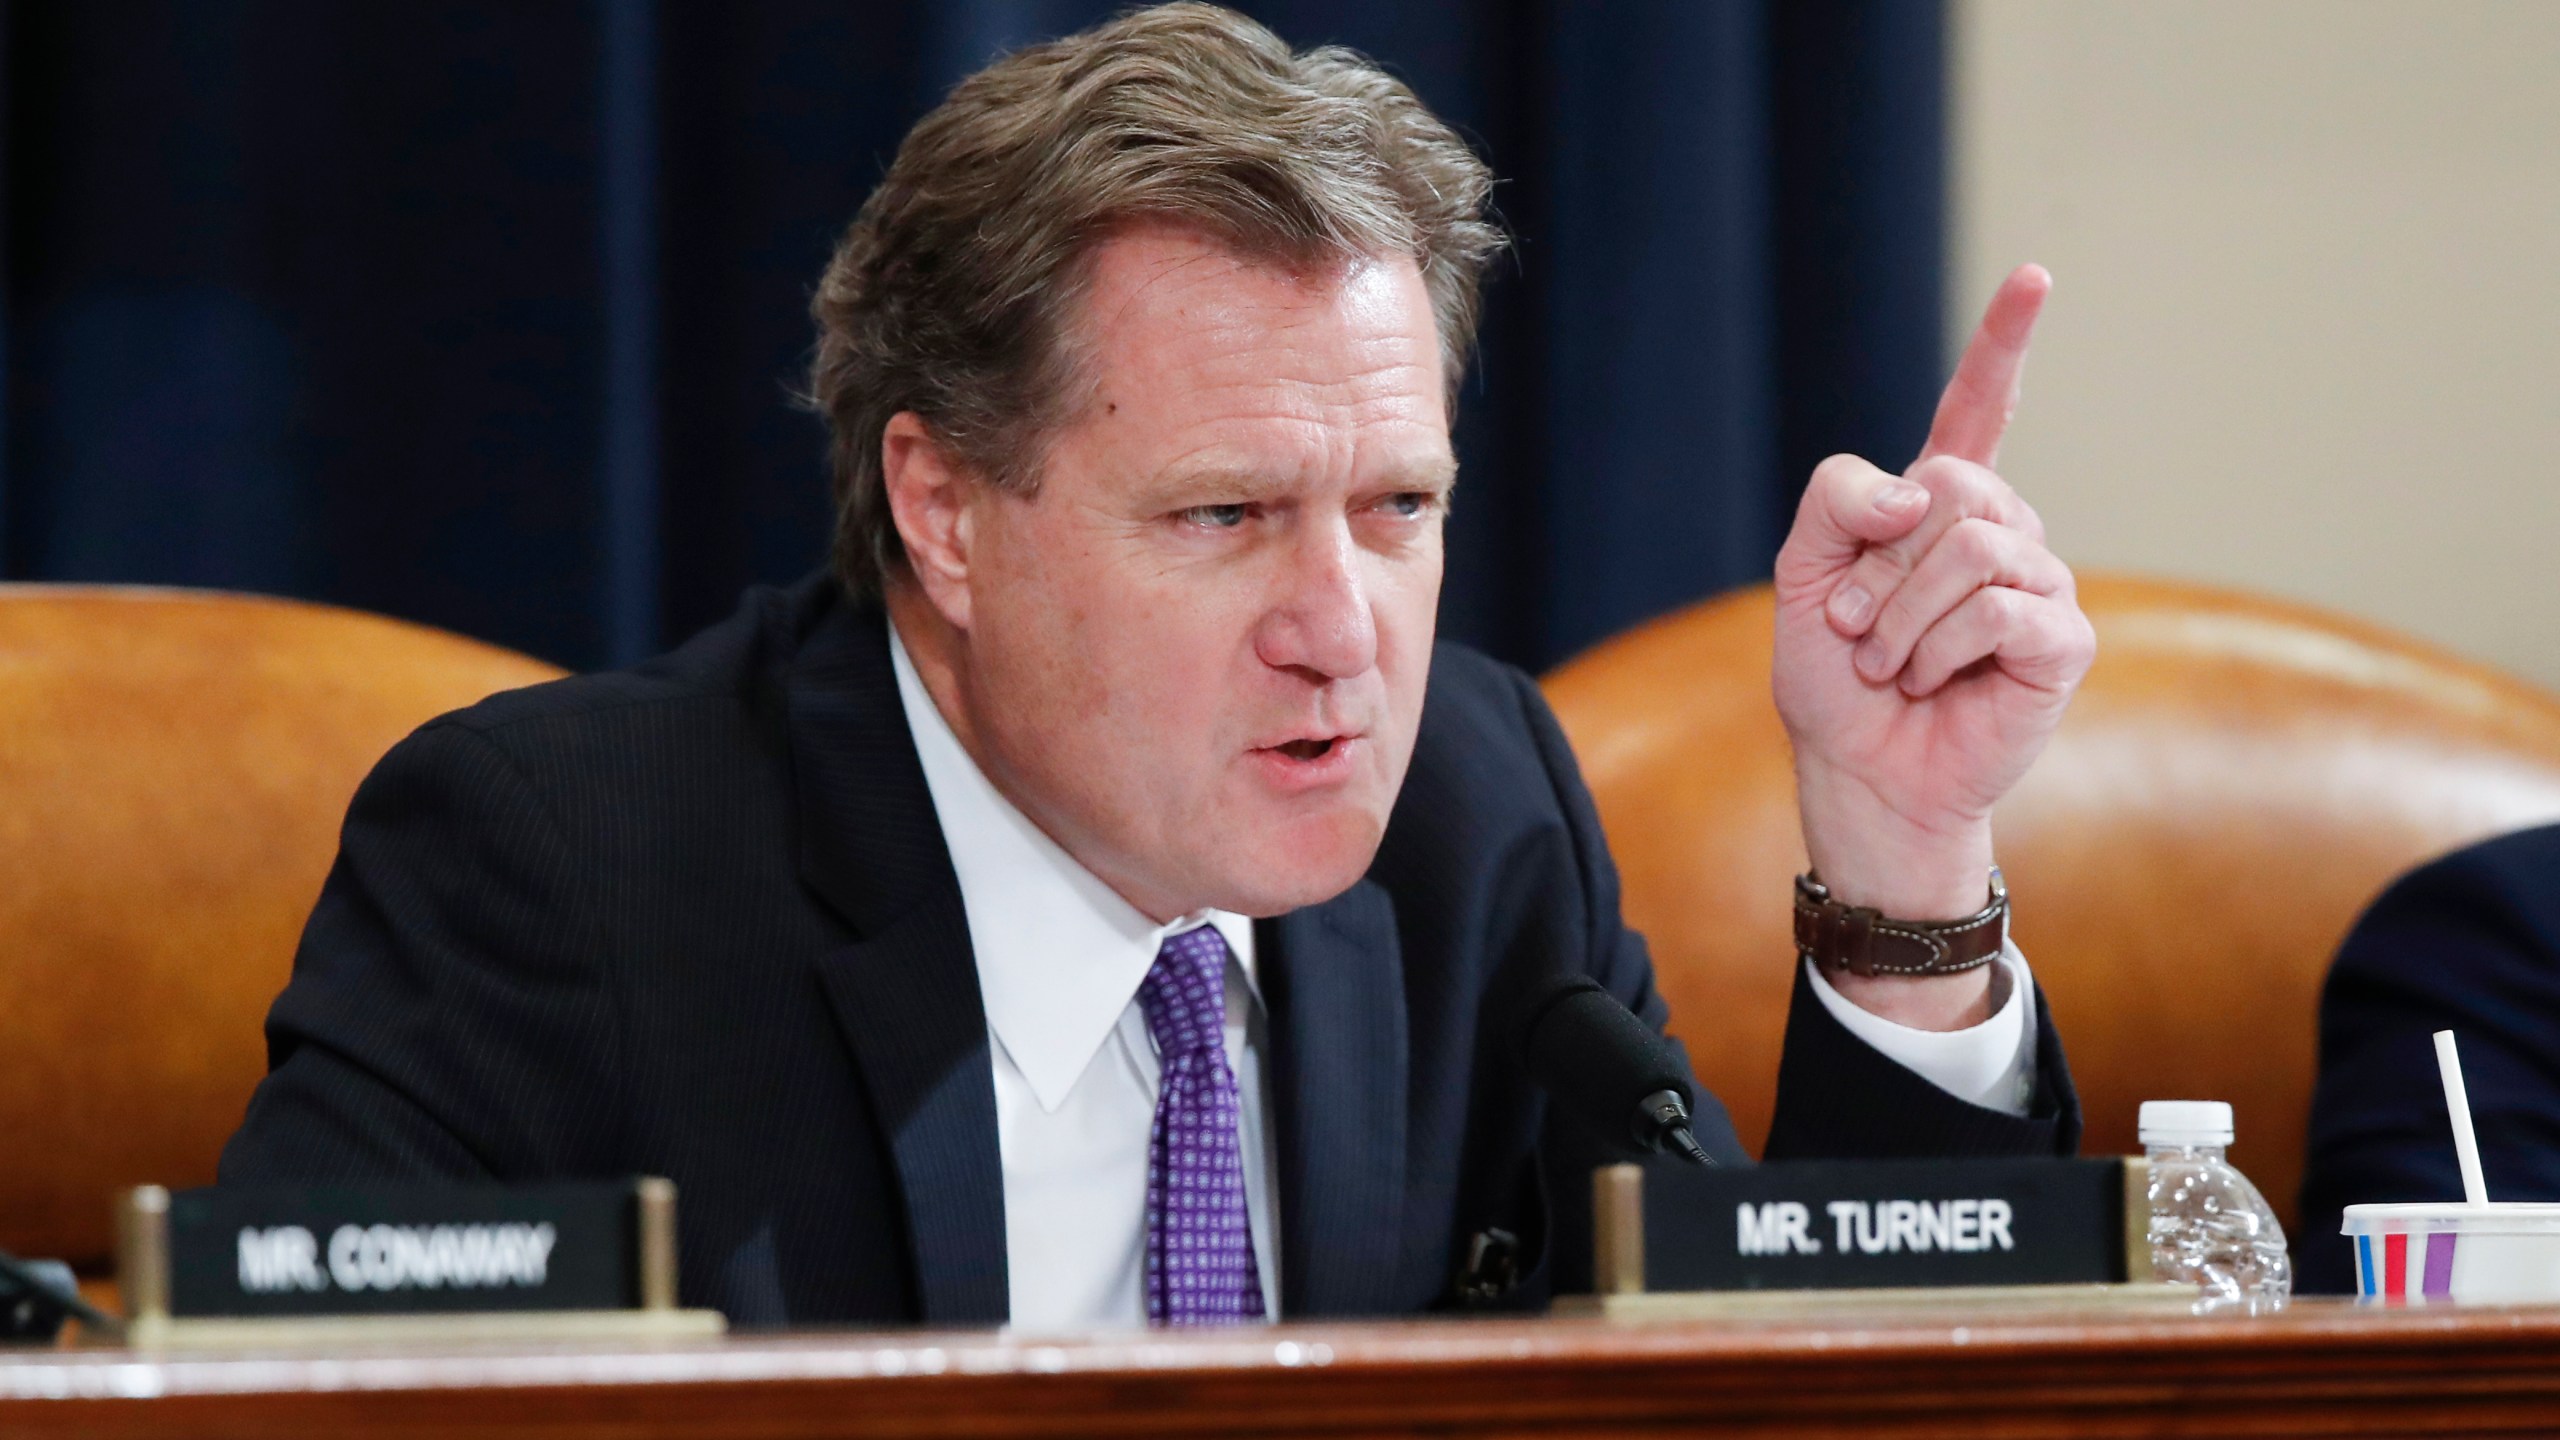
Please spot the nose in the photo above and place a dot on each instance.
(1322, 621)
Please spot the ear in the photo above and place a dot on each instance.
(929, 499)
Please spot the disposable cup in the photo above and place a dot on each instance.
(2493, 1254)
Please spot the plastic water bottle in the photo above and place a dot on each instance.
(2209, 1226)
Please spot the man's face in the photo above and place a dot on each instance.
(1196, 656)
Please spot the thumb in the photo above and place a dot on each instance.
(1847, 506)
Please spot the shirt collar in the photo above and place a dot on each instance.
(1060, 954)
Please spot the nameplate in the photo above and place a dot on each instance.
(407, 1249)
(1868, 1224)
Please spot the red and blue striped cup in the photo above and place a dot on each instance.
(2494, 1254)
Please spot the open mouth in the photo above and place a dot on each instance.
(1305, 764)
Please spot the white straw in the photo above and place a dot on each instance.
(2457, 1103)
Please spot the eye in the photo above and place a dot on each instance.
(1409, 504)
(1215, 517)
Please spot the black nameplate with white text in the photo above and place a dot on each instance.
(1827, 1224)
(352, 1250)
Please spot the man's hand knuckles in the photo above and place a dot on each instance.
(2052, 642)
(1950, 475)
(2002, 554)
(1946, 649)
(1905, 620)
(1882, 572)
(1971, 554)
(2080, 642)
(1980, 547)
(1975, 627)
(1970, 489)
(2026, 519)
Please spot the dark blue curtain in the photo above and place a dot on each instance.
(486, 314)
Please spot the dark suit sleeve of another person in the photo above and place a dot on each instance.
(1838, 1098)
(2469, 944)
(446, 1017)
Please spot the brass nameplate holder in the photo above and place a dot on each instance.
(340, 1265)
(1823, 1237)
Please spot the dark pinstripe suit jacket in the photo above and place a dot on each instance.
(697, 920)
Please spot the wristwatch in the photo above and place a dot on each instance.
(1859, 940)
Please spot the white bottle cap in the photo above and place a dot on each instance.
(2186, 1122)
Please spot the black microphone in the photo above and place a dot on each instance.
(1608, 1069)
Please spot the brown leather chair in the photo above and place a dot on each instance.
(173, 768)
(2237, 779)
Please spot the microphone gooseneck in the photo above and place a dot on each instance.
(1608, 1069)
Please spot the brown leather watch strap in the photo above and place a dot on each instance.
(1861, 941)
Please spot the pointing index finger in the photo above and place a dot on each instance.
(1975, 410)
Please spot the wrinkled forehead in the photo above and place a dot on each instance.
(1180, 331)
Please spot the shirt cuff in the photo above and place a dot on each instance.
(1992, 1064)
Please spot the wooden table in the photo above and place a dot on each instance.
(2319, 1368)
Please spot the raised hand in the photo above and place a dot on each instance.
(1927, 644)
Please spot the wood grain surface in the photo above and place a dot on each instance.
(2319, 1368)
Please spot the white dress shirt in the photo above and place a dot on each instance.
(1992, 1064)
(1060, 956)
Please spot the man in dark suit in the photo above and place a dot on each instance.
(2471, 944)
(1098, 900)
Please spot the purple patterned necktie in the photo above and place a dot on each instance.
(1200, 1265)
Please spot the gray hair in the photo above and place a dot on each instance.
(953, 293)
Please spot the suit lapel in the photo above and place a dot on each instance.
(1336, 987)
(920, 1036)
(906, 993)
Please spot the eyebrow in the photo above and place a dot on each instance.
(1206, 484)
